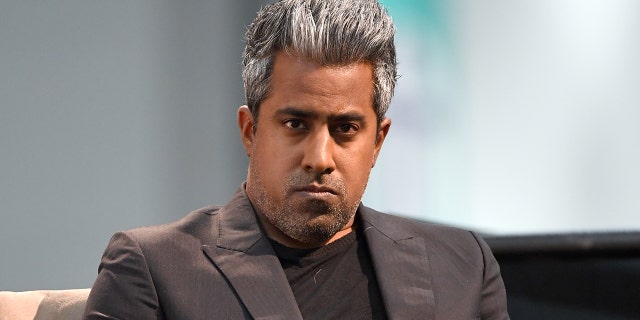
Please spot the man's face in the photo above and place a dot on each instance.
(313, 148)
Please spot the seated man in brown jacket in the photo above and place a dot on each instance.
(295, 241)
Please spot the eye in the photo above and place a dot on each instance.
(294, 124)
(346, 128)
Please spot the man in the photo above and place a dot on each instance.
(295, 241)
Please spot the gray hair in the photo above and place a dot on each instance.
(330, 32)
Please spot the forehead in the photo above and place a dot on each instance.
(298, 80)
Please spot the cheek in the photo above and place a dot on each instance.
(357, 166)
(273, 161)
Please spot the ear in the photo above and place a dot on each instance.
(246, 125)
(381, 135)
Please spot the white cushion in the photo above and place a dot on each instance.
(43, 304)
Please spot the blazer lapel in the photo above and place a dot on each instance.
(244, 255)
(402, 268)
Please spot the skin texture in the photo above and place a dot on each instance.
(312, 149)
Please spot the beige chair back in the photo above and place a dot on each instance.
(43, 304)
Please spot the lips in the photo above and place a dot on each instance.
(316, 189)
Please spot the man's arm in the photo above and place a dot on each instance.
(124, 288)
(494, 296)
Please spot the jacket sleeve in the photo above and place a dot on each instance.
(124, 287)
(493, 304)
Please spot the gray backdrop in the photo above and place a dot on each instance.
(114, 114)
(509, 118)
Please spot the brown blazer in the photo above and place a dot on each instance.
(216, 263)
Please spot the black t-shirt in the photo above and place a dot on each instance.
(336, 281)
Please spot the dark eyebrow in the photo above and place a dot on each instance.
(306, 114)
(348, 117)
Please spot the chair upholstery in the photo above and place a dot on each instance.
(43, 304)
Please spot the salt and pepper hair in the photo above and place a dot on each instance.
(329, 32)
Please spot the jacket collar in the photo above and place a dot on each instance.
(402, 267)
(244, 255)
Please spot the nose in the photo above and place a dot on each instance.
(319, 153)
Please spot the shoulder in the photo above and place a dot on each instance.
(444, 241)
(194, 228)
(396, 225)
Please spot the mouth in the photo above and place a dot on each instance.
(316, 189)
